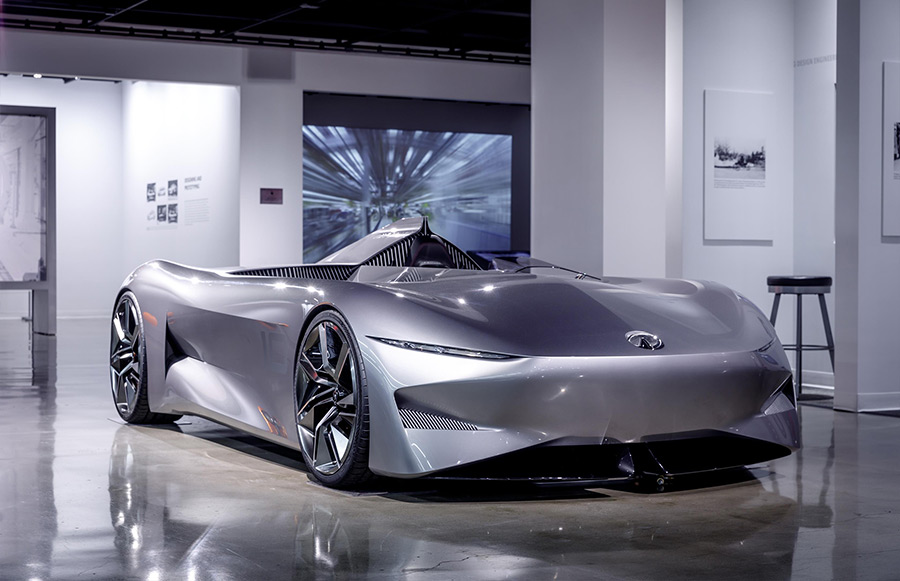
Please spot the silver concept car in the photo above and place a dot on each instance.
(401, 356)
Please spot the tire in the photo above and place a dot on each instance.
(332, 403)
(128, 364)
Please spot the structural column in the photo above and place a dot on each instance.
(567, 133)
(867, 261)
(634, 112)
(599, 123)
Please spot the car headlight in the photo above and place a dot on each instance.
(444, 350)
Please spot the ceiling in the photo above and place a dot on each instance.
(483, 30)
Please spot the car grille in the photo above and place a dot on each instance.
(419, 420)
(312, 271)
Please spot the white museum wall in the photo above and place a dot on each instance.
(177, 131)
(271, 157)
(740, 46)
(674, 138)
(272, 83)
(815, 48)
(867, 264)
(271, 111)
(88, 191)
(604, 199)
(634, 133)
(567, 128)
(879, 257)
(846, 207)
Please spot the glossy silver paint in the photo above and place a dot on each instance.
(560, 368)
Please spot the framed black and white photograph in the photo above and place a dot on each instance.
(173, 214)
(173, 188)
(742, 161)
(896, 146)
(151, 192)
(738, 188)
(162, 214)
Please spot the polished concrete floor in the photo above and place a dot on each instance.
(83, 496)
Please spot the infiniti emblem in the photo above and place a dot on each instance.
(644, 340)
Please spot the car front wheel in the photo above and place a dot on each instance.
(128, 364)
(332, 403)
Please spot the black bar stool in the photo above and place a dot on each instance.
(803, 285)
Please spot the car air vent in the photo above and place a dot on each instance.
(393, 255)
(419, 420)
(408, 275)
(398, 253)
(311, 271)
(462, 259)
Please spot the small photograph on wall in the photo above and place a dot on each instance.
(173, 214)
(740, 185)
(890, 177)
(356, 181)
(151, 192)
(896, 150)
(739, 163)
(162, 213)
(173, 188)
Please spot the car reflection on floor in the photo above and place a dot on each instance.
(182, 500)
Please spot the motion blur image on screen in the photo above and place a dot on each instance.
(358, 180)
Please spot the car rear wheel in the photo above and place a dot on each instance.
(128, 364)
(332, 403)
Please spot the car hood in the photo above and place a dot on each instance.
(555, 314)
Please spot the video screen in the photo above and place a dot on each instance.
(358, 180)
